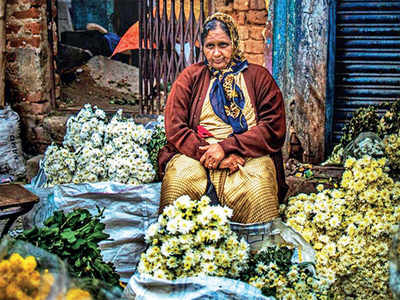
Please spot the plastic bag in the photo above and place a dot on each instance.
(275, 233)
(206, 287)
(42, 210)
(366, 143)
(11, 159)
(45, 261)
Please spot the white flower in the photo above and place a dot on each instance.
(208, 253)
(183, 202)
(152, 230)
(185, 226)
(172, 226)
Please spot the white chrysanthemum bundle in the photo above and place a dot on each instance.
(351, 228)
(97, 150)
(192, 238)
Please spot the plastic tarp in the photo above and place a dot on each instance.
(129, 210)
(189, 288)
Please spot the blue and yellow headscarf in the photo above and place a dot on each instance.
(226, 97)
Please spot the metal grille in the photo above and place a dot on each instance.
(164, 36)
(367, 57)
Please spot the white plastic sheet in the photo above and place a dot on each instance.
(191, 288)
(129, 210)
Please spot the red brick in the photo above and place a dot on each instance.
(257, 4)
(241, 4)
(34, 97)
(34, 28)
(12, 28)
(32, 13)
(243, 32)
(22, 42)
(257, 16)
(34, 108)
(239, 17)
(255, 47)
(256, 32)
(255, 58)
(225, 8)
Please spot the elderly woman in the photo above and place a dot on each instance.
(225, 116)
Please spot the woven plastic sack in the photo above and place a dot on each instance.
(11, 159)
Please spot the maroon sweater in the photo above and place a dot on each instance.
(183, 109)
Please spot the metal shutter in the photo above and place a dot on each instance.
(367, 57)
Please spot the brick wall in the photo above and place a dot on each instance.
(251, 18)
(28, 80)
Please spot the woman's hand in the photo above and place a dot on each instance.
(213, 156)
(232, 163)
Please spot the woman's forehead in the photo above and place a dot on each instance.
(217, 34)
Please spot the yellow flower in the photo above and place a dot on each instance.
(29, 264)
(78, 294)
(16, 262)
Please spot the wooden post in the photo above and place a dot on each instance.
(2, 52)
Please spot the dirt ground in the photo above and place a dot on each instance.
(80, 88)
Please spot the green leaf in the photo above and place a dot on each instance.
(78, 244)
(98, 236)
(78, 263)
(68, 235)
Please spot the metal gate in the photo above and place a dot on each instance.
(169, 40)
(367, 57)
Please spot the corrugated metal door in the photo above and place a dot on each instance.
(367, 57)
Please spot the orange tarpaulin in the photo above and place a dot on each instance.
(130, 39)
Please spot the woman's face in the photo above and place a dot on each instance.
(218, 48)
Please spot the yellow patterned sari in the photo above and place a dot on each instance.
(251, 191)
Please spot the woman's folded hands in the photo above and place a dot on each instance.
(232, 162)
(214, 158)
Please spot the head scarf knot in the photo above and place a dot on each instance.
(226, 97)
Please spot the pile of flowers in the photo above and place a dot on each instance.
(20, 279)
(392, 150)
(97, 150)
(192, 238)
(273, 272)
(351, 227)
(366, 119)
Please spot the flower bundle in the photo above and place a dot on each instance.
(19, 279)
(351, 227)
(273, 272)
(192, 238)
(158, 140)
(97, 150)
(392, 150)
